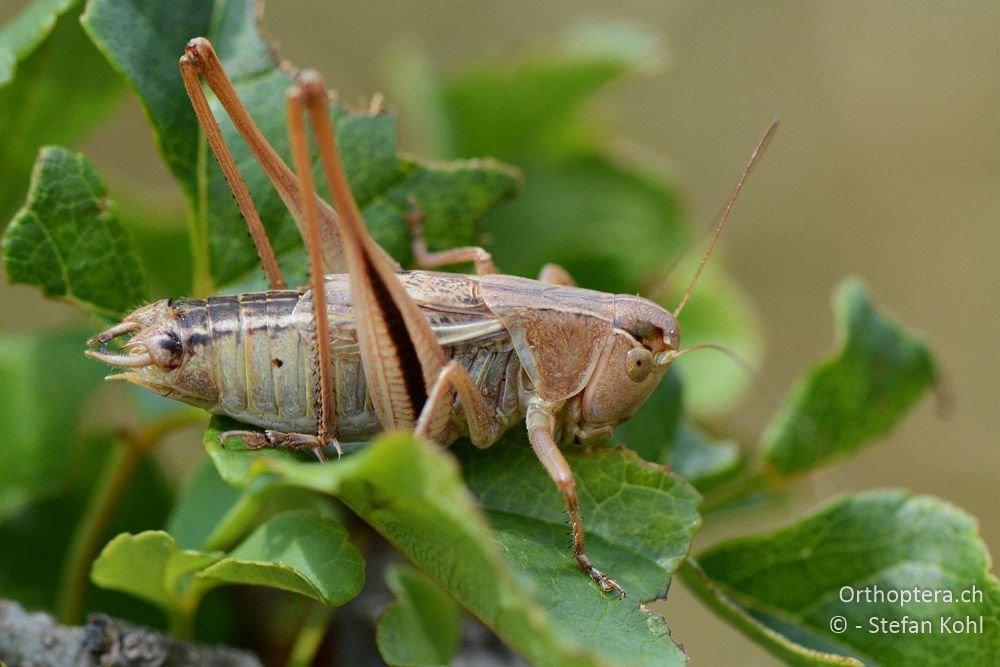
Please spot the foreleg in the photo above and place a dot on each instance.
(540, 427)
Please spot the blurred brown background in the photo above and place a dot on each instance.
(887, 165)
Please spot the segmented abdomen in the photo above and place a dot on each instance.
(260, 348)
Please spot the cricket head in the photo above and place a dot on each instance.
(164, 353)
(643, 343)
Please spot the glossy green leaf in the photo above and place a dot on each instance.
(43, 380)
(422, 626)
(411, 492)
(850, 563)
(388, 187)
(856, 395)
(67, 239)
(302, 551)
(54, 86)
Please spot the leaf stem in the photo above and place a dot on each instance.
(311, 636)
(128, 451)
(201, 280)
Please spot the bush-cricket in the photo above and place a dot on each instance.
(366, 346)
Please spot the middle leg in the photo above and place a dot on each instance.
(425, 259)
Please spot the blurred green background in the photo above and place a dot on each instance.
(887, 165)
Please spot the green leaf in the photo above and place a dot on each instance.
(201, 505)
(786, 587)
(640, 519)
(54, 86)
(388, 187)
(68, 242)
(302, 551)
(43, 380)
(701, 461)
(422, 627)
(608, 223)
(149, 566)
(513, 109)
(854, 396)
(411, 492)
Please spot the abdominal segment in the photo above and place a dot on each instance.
(259, 349)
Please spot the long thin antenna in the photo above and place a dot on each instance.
(754, 159)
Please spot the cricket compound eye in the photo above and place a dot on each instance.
(639, 363)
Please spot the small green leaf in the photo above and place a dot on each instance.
(43, 379)
(875, 546)
(68, 242)
(856, 395)
(303, 552)
(410, 491)
(54, 86)
(150, 566)
(422, 627)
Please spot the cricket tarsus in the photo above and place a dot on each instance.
(280, 440)
(758, 151)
